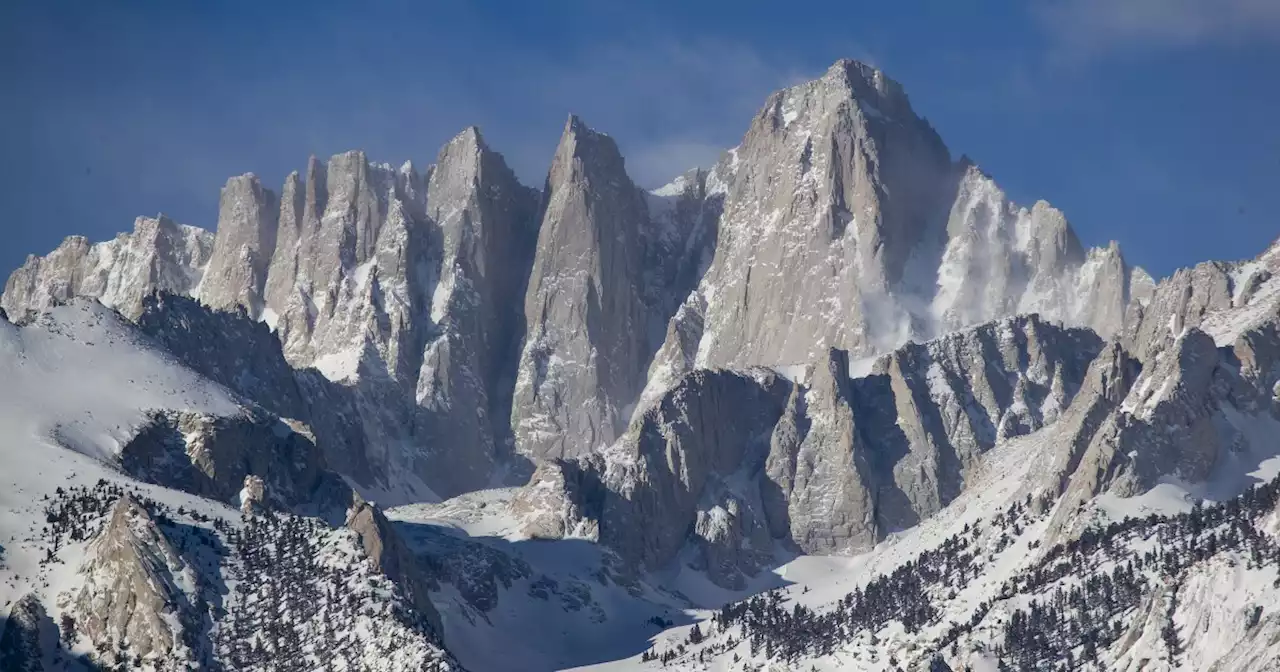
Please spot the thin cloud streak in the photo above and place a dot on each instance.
(1089, 29)
(671, 106)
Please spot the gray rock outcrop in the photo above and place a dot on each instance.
(844, 223)
(1194, 410)
(158, 255)
(30, 637)
(585, 348)
(242, 248)
(487, 222)
(213, 457)
(821, 465)
(855, 459)
(389, 556)
(727, 462)
(132, 599)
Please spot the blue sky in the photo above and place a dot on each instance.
(1152, 122)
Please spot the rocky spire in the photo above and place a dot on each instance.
(358, 270)
(29, 637)
(487, 223)
(243, 247)
(584, 354)
(158, 255)
(282, 273)
(826, 473)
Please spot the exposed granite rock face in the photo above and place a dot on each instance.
(845, 224)
(282, 271)
(1106, 385)
(1205, 402)
(1002, 259)
(132, 598)
(833, 186)
(213, 456)
(731, 537)
(1222, 299)
(365, 264)
(406, 289)
(825, 471)
(413, 373)
(854, 459)
(727, 462)
(679, 463)
(243, 246)
(585, 349)
(954, 397)
(158, 255)
(1177, 303)
(253, 495)
(661, 468)
(389, 555)
(1195, 409)
(487, 219)
(30, 637)
(562, 500)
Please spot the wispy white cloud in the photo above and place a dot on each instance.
(1090, 28)
(671, 105)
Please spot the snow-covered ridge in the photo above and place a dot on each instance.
(81, 377)
(838, 342)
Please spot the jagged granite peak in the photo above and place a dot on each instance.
(282, 270)
(831, 461)
(1002, 259)
(832, 187)
(1223, 299)
(136, 596)
(679, 475)
(1106, 385)
(487, 221)
(657, 473)
(823, 472)
(853, 460)
(846, 224)
(362, 271)
(245, 241)
(1195, 409)
(585, 348)
(158, 255)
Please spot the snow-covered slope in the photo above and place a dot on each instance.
(838, 365)
(120, 570)
(81, 377)
(976, 583)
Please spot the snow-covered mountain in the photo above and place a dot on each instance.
(839, 366)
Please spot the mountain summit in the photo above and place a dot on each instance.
(834, 402)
